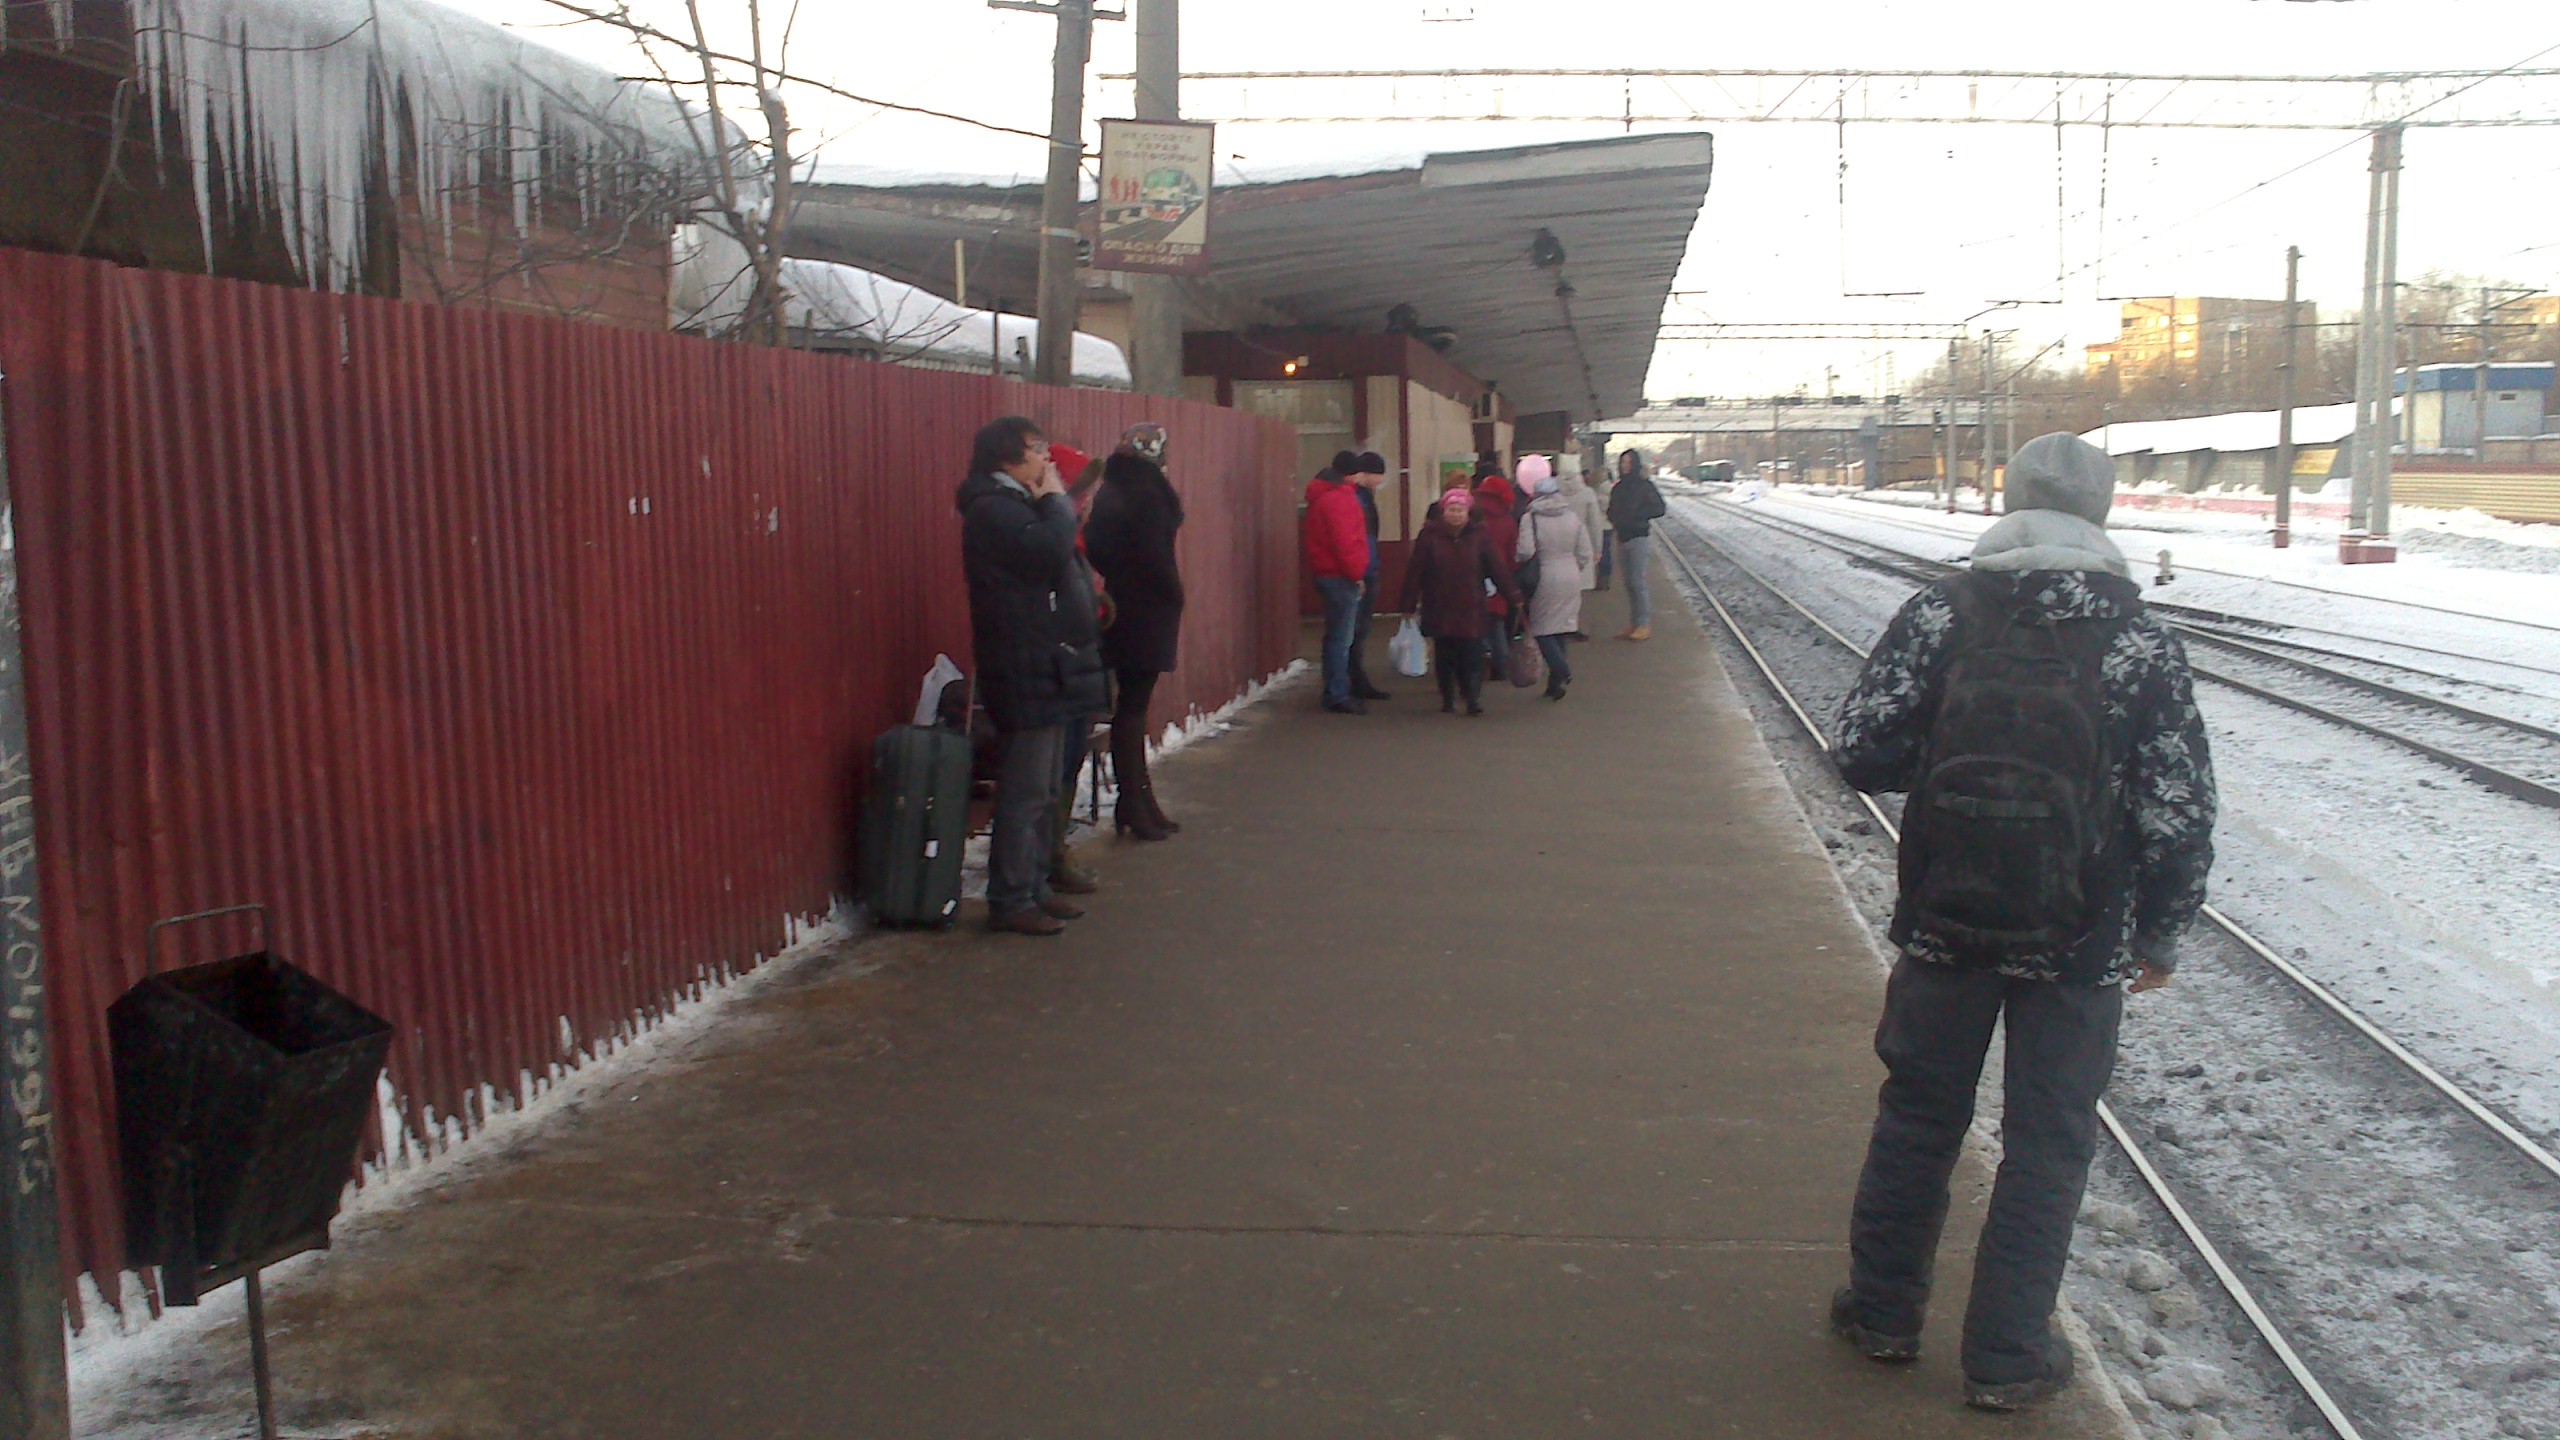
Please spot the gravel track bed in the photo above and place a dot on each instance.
(2406, 1251)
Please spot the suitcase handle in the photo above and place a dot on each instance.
(151, 936)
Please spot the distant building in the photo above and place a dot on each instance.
(2195, 345)
(2447, 404)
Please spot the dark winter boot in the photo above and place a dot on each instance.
(2035, 1390)
(1870, 1342)
(1066, 876)
(1134, 813)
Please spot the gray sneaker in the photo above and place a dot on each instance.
(2024, 1394)
(1870, 1342)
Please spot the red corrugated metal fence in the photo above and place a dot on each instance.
(525, 668)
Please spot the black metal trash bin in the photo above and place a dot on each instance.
(242, 1090)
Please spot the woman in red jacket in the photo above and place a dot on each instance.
(1453, 562)
(1497, 509)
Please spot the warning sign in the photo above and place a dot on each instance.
(1155, 197)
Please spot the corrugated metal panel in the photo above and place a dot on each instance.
(524, 667)
(2509, 496)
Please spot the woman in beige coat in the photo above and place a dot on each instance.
(1586, 506)
(1564, 549)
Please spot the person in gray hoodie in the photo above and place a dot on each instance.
(2055, 846)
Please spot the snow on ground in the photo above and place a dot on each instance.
(2400, 1245)
(2427, 902)
(2469, 564)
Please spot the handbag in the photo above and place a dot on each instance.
(1408, 652)
(1528, 663)
(1525, 574)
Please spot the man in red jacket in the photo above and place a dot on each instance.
(1335, 538)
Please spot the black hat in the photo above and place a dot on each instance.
(1372, 463)
(1344, 463)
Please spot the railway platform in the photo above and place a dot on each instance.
(1445, 1077)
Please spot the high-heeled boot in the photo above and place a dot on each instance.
(1135, 812)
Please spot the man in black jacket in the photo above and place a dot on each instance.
(1039, 658)
(1634, 504)
(1368, 471)
(2054, 848)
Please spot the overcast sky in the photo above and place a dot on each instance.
(1968, 216)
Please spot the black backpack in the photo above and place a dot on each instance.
(2016, 823)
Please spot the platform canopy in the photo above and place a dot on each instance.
(1547, 265)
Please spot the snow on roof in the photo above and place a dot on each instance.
(300, 98)
(2237, 432)
(1230, 172)
(906, 322)
(843, 306)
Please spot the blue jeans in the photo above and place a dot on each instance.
(1341, 612)
(1559, 669)
(1635, 556)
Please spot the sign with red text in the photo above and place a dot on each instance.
(1155, 197)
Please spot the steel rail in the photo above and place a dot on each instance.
(2444, 1085)
(2241, 1295)
(2495, 777)
(1900, 522)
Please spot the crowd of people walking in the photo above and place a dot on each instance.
(1496, 576)
(1076, 595)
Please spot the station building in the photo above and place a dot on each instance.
(1430, 307)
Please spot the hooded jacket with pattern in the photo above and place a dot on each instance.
(2059, 567)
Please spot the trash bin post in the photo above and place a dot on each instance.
(35, 1401)
(242, 1090)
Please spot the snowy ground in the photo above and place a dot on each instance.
(2407, 1252)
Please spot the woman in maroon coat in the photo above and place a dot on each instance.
(1497, 512)
(1453, 562)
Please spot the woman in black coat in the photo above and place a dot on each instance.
(1129, 537)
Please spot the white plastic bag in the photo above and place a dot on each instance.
(1409, 652)
(929, 699)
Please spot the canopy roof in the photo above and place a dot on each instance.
(2237, 432)
(1549, 263)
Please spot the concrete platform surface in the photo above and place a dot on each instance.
(1445, 1077)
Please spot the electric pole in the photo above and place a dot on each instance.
(1155, 301)
(1060, 200)
(2480, 392)
(34, 1394)
(1982, 422)
(2284, 393)
(1953, 365)
(2368, 533)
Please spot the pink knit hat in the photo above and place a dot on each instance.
(1533, 470)
(1457, 497)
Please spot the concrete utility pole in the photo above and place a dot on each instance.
(1950, 481)
(2480, 391)
(2368, 532)
(1155, 308)
(1982, 422)
(34, 1395)
(1059, 199)
(2284, 392)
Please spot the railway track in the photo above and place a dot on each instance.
(2513, 757)
(2509, 1139)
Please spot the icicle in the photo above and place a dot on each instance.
(295, 94)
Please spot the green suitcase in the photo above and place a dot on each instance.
(915, 824)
